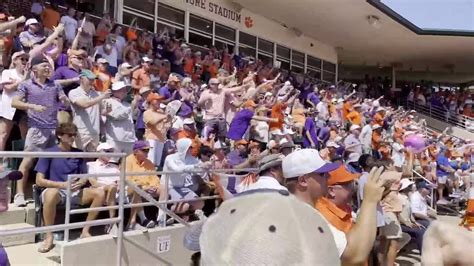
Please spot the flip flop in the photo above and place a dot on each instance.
(46, 249)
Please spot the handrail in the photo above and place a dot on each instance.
(458, 120)
(431, 185)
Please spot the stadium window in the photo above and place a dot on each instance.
(297, 69)
(329, 67)
(200, 40)
(95, 7)
(177, 32)
(225, 33)
(221, 45)
(313, 62)
(328, 76)
(170, 15)
(267, 60)
(314, 73)
(297, 59)
(283, 56)
(200, 25)
(248, 44)
(142, 21)
(146, 7)
(265, 46)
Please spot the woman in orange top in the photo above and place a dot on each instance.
(278, 113)
(376, 139)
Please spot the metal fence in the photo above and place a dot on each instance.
(67, 226)
(445, 115)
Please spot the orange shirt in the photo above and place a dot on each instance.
(376, 140)
(278, 113)
(355, 118)
(378, 119)
(188, 66)
(50, 18)
(140, 79)
(337, 217)
(100, 85)
(132, 165)
(346, 108)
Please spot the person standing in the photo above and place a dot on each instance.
(352, 143)
(70, 25)
(119, 128)
(86, 111)
(40, 97)
(11, 79)
(157, 123)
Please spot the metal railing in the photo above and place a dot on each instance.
(67, 226)
(432, 186)
(445, 115)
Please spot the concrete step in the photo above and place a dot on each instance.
(16, 240)
(28, 255)
(16, 215)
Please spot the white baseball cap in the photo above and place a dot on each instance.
(354, 127)
(146, 59)
(332, 144)
(188, 121)
(353, 157)
(118, 85)
(376, 126)
(305, 161)
(31, 21)
(125, 65)
(102, 61)
(103, 146)
(404, 183)
(244, 231)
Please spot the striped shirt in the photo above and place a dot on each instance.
(46, 95)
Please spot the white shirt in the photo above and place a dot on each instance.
(262, 128)
(8, 76)
(98, 167)
(362, 181)
(322, 108)
(397, 154)
(365, 136)
(418, 204)
(87, 120)
(70, 27)
(264, 182)
(119, 123)
(111, 58)
(352, 140)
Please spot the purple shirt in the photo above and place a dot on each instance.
(141, 109)
(312, 97)
(66, 72)
(57, 169)
(186, 109)
(165, 92)
(46, 95)
(240, 124)
(311, 128)
(234, 158)
(323, 134)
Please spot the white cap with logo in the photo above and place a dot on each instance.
(305, 161)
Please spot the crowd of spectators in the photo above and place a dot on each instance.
(70, 85)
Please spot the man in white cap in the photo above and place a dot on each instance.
(141, 76)
(213, 101)
(86, 105)
(31, 35)
(119, 128)
(306, 175)
(278, 230)
(352, 142)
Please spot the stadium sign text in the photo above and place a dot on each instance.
(216, 9)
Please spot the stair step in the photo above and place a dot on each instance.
(16, 215)
(16, 240)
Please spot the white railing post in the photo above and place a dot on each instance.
(121, 210)
(67, 215)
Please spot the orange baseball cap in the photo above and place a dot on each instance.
(241, 142)
(341, 175)
(250, 103)
(154, 96)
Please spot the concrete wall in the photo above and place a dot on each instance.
(261, 26)
(441, 126)
(138, 249)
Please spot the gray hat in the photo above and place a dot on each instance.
(269, 161)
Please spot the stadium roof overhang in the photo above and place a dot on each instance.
(370, 33)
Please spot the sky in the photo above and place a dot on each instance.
(457, 15)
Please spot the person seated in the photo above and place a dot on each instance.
(52, 175)
(137, 162)
(104, 165)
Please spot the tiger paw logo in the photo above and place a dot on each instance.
(248, 22)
